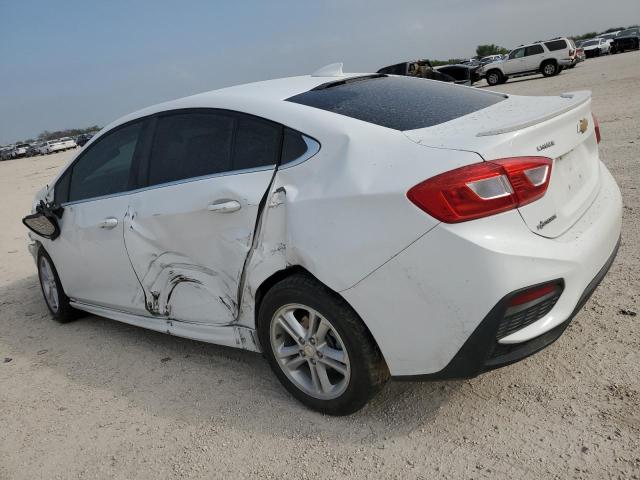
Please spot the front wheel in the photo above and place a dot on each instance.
(54, 296)
(494, 77)
(318, 347)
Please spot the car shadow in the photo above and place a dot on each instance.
(191, 381)
(515, 80)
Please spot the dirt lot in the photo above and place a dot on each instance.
(100, 399)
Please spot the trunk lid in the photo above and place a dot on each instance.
(560, 128)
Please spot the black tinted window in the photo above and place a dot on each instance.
(293, 146)
(257, 143)
(401, 103)
(534, 50)
(556, 45)
(104, 168)
(190, 145)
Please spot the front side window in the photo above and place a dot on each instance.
(105, 168)
(534, 50)
(518, 53)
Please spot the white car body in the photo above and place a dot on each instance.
(52, 146)
(19, 150)
(421, 286)
(58, 145)
(596, 46)
(530, 59)
(67, 143)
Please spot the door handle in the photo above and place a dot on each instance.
(224, 206)
(109, 223)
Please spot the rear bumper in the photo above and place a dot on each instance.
(482, 352)
(428, 301)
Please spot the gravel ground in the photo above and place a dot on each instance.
(100, 399)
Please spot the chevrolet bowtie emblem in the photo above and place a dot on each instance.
(582, 125)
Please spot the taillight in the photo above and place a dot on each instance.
(483, 189)
(596, 125)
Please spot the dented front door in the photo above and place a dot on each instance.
(188, 242)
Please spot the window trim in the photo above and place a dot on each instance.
(142, 154)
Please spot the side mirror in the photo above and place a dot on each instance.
(45, 221)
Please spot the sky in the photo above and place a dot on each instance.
(66, 64)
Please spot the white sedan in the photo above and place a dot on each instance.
(352, 227)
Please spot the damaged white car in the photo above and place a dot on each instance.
(352, 227)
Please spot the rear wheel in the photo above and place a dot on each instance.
(494, 77)
(318, 347)
(549, 69)
(54, 296)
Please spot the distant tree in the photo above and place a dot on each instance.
(490, 49)
(70, 132)
(585, 36)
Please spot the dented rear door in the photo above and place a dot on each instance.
(189, 231)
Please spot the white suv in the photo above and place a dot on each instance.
(547, 58)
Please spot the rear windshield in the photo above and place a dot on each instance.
(401, 103)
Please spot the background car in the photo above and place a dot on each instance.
(416, 68)
(67, 143)
(461, 74)
(628, 39)
(595, 47)
(547, 58)
(33, 149)
(83, 138)
(20, 150)
(5, 152)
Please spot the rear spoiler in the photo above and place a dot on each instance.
(571, 101)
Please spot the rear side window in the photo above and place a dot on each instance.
(190, 145)
(105, 168)
(534, 50)
(556, 45)
(400, 103)
(293, 146)
(195, 144)
(257, 143)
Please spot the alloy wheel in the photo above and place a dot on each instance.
(49, 285)
(310, 351)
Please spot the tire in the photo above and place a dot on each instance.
(340, 339)
(549, 69)
(60, 308)
(494, 77)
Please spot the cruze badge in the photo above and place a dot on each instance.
(582, 125)
(548, 144)
(544, 223)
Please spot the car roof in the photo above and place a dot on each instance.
(264, 98)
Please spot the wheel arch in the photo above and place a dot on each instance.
(291, 270)
(547, 60)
